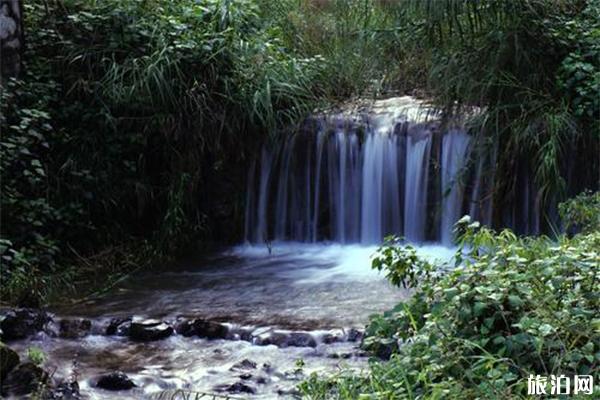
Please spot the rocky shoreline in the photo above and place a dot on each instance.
(21, 377)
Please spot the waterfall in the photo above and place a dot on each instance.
(454, 153)
(418, 151)
(359, 176)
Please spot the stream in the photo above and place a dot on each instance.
(322, 294)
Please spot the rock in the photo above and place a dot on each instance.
(115, 381)
(333, 337)
(301, 339)
(149, 330)
(24, 379)
(119, 326)
(278, 339)
(261, 380)
(246, 376)
(64, 391)
(354, 335)
(209, 329)
(19, 324)
(244, 364)
(185, 328)
(240, 387)
(74, 328)
(9, 359)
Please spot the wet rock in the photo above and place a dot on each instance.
(19, 324)
(64, 391)
(185, 328)
(74, 328)
(261, 380)
(246, 376)
(279, 339)
(354, 335)
(149, 330)
(301, 339)
(24, 379)
(9, 359)
(115, 381)
(244, 364)
(240, 387)
(209, 329)
(333, 337)
(119, 326)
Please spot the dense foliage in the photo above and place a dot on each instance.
(508, 308)
(124, 135)
(129, 132)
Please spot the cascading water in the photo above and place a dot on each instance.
(358, 176)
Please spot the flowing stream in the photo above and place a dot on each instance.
(322, 290)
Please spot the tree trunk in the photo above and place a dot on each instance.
(11, 37)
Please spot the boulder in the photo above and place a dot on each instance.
(354, 335)
(301, 339)
(19, 324)
(245, 364)
(119, 326)
(185, 328)
(24, 379)
(241, 387)
(68, 390)
(74, 328)
(9, 359)
(115, 381)
(279, 339)
(149, 330)
(209, 329)
(333, 337)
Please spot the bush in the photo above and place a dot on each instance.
(511, 307)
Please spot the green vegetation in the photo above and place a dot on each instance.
(508, 308)
(129, 132)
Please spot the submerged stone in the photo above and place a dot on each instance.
(115, 381)
(301, 339)
(74, 328)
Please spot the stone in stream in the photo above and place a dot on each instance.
(149, 330)
(333, 337)
(244, 364)
(354, 335)
(119, 326)
(26, 378)
(68, 390)
(202, 328)
(74, 328)
(301, 339)
(209, 329)
(9, 359)
(236, 388)
(19, 324)
(115, 381)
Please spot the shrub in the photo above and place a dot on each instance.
(511, 307)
